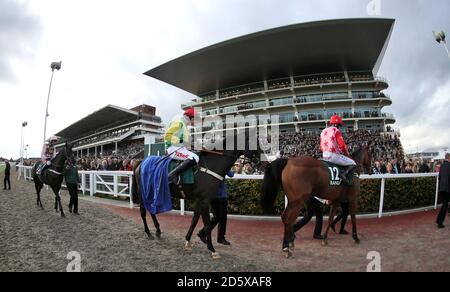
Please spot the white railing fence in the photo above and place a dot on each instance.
(119, 183)
(113, 183)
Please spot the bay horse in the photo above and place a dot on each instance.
(52, 176)
(303, 177)
(211, 166)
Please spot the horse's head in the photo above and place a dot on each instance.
(362, 157)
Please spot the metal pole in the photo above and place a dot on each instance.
(437, 193)
(446, 48)
(383, 184)
(46, 110)
(21, 146)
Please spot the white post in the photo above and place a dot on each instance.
(130, 182)
(285, 202)
(92, 183)
(182, 207)
(383, 184)
(116, 187)
(437, 193)
(83, 183)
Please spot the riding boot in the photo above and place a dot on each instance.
(344, 174)
(185, 165)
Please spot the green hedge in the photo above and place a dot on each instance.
(400, 194)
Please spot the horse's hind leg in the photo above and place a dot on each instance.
(207, 228)
(330, 222)
(144, 219)
(157, 226)
(289, 216)
(353, 207)
(195, 218)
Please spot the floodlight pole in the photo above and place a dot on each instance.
(57, 66)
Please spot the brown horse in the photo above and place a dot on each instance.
(303, 177)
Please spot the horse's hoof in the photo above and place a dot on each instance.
(357, 241)
(158, 234)
(63, 216)
(150, 236)
(188, 246)
(215, 256)
(287, 253)
(292, 246)
(325, 242)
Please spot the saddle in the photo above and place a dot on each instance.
(43, 176)
(333, 173)
(187, 176)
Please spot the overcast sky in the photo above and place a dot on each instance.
(106, 45)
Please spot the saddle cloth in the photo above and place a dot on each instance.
(155, 190)
(333, 173)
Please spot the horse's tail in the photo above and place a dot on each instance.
(272, 183)
(134, 184)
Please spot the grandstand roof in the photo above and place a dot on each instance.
(110, 115)
(300, 49)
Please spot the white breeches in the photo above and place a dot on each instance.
(181, 153)
(338, 159)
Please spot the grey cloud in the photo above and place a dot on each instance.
(19, 31)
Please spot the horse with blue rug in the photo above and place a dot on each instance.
(156, 179)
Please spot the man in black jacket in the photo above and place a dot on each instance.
(313, 207)
(444, 190)
(7, 181)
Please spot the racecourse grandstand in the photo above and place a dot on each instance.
(115, 131)
(302, 73)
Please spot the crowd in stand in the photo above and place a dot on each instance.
(387, 151)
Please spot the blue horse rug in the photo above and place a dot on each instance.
(155, 190)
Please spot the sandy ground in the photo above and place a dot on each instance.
(112, 239)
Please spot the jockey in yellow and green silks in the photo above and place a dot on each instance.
(177, 134)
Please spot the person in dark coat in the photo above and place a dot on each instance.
(444, 190)
(72, 180)
(342, 217)
(219, 208)
(313, 207)
(7, 181)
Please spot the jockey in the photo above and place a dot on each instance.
(334, 149)
(176, 137)
(48, 153)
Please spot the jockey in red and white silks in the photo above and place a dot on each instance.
(333, 146)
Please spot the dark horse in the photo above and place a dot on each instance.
(303, 177)
(204, 190)
(52, 176)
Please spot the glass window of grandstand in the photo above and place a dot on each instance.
(364, 94)
(345, 113)
(279, 83)
(228, 109)
(210, 112)
(319, 79)
(335, 95)
(252, 105)
(244, 89)
(360, 76)
(367, 113)
(281, 101)
(287, 117)
(209, 96)
(315, 116)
